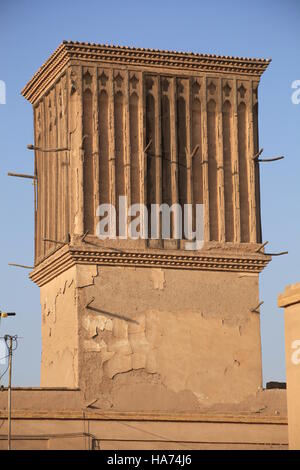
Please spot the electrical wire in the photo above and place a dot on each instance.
(14, 339)
(4, 357)
(160, 437)
(4, 372)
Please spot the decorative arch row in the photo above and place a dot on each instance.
(154, 138)
(208, 136)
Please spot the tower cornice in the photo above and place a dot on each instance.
(68, 256)
(88, 53)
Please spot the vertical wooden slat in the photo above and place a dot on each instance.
(235, 169)
(49, 172)
(36, 195)
(142, 139)
(227, 163)
(212, 164)
(38, 181)
(251, 166)
(254, 92)
(166, 142)
(189, 157)
(57, 219)
(43, 179)
(203, 92)
(197, 166)
(103, 138)
(220, 168)
(76, 145)
(183, 147)
(88, 148)
(96, 142)
(48, 177)
(189, 149)
(142, 142)
(151, 138)
(112, 158)
(119, 121)
(127, 145)
(134, 131)
(60, 156)
(243, 165)
(158, 162)
(53, 165)
(173, 145)
(65, 160)
(77, 158)
(73, 120)
(79, 218)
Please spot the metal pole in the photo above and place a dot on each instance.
(9, 392)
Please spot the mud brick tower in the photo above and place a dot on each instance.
(146, 324)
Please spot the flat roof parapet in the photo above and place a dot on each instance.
(139, 57)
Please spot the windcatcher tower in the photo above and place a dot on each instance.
(146, 324)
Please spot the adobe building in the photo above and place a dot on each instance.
(290, 301)
(146, 330)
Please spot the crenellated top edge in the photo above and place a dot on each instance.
(124, 55)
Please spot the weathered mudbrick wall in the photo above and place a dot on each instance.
(152, 335)
(59, 361)
(44, 418)
(143, 347)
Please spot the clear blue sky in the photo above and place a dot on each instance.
(29, 33)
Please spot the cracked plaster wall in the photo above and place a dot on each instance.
(152, 339)
(161, 339)
(59, 364)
